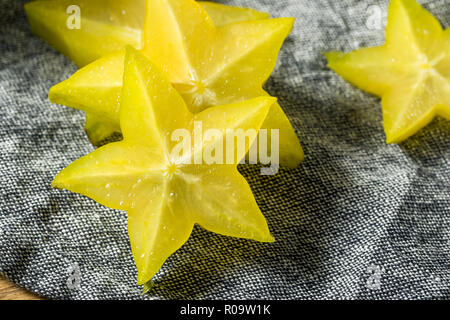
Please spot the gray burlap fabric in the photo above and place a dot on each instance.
(359, 219)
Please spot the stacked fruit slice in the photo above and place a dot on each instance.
(191, 62)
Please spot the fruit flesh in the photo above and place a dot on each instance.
(163, 194)
(410, 72)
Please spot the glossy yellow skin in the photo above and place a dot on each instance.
(107, 25)
(206, 64)
(163, 196)
(410, 72)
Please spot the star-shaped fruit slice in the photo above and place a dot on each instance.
(207, 65)
(410, 72)
(106, 25)
(166, 191)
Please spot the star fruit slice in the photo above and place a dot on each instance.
(410, 72)
(107, 25)
(164, 192)
(207, 65)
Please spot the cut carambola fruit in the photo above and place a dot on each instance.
(410, 72)
(207, 65)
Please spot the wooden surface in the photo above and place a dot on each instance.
(9, 291)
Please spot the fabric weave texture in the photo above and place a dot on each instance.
(359, 219)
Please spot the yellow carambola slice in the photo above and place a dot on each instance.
(207, 65)
(410, 72)
(107, 25)
(163, 193)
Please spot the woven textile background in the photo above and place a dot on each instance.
(359, 219)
